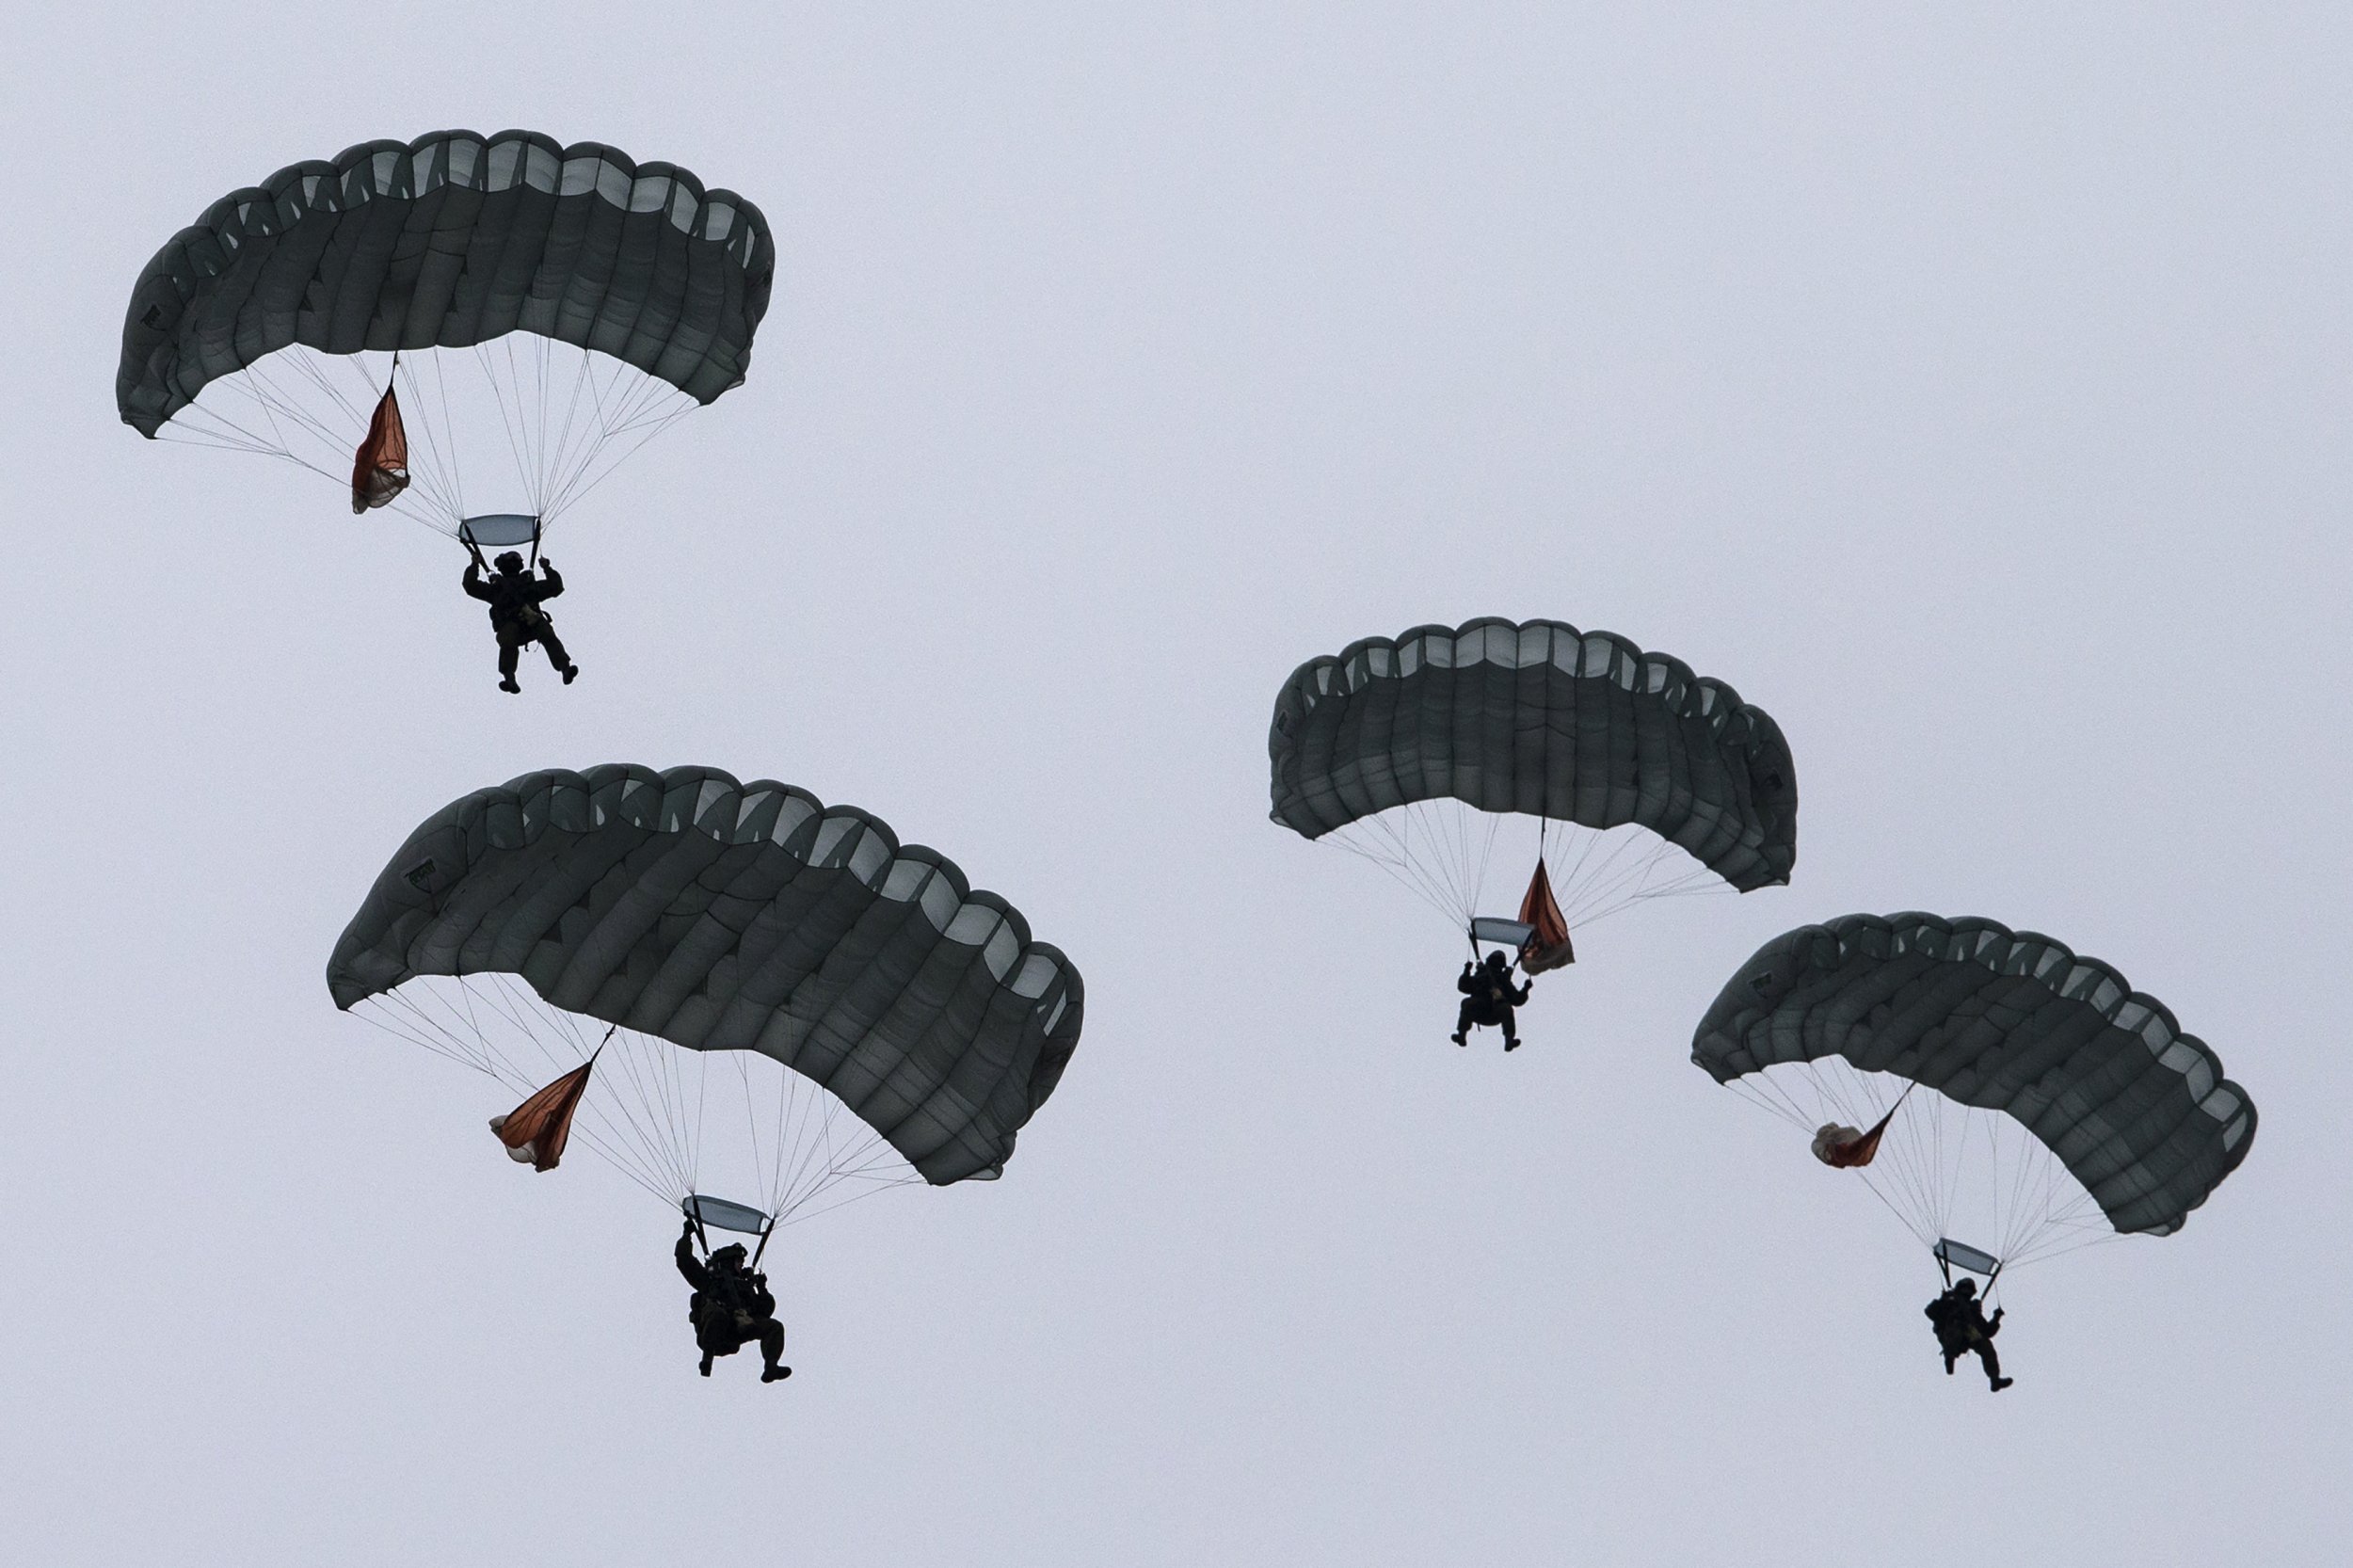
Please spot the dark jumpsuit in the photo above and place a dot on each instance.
(1962, 1327)
(1489, 998)
(515, 598)
(731, 1309)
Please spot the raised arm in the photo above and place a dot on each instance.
(473, 581)
(550, 584)
(688, 1264)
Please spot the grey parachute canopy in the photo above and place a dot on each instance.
(720, 916)
(1541, 719)
(2010, 1022)
(447, 242)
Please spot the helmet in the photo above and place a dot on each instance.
(510, 562)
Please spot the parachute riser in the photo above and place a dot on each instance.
(1991, 1280)
(762, 1251)
(1908, 1087)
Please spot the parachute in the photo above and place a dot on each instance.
(1646, 779)
(771, 991)
(558, 305)
(2063, 1106)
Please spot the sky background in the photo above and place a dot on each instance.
(1967, 386)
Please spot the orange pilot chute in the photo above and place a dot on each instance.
(535, 1131)
(379, 470)
(1844, 1148)
(1549, 947)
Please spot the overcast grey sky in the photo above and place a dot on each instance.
(1967, 385)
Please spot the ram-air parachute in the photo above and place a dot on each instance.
(1643, 778)
(2006, 1097)
(464, 327)
(750, 1001)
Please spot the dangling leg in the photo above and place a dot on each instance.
(772, 1349)
(704, 1341)
(507, 650)
(1511, 1029)
(554, 645)
(1464, 1017)
(1991, 1359)
(716, 1334)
